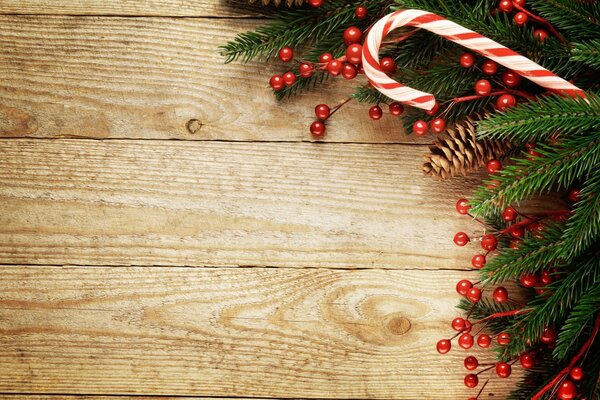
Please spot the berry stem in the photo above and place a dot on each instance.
(519, 93)
(486, 369)
(482, 388)
(573, 362)
(505, 314)
(336, 108)
(539, 19)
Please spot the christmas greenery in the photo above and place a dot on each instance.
(554, 253)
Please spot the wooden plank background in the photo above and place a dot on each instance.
(242, 259)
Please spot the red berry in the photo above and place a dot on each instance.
(509, 214)
(503, 370)
(505, 101)
(548, 336)
(360, 12)
(322, 111)
(276, 82)
(511, 79)
(516, 231)
(458, 324)
(420, 128)
(286, 54)
(467, 60)
(461, 239)
(396, 108)
(443, 346)
(315, 3)
(575, 195)
(468, 326)
(289, 78)
(465, 341)
(520, 18)
(503, 338)
(567, 390)
(375, 112)
(334, 67)
(388, 65)
(317, 128)
(438, 125)
(471, 363)
(483, 87)
(474, 295)
(462, 206)
(434, 110)
(546, 277)
(354, 53)
(540, 34)
(471, 380)
(489, 242)
(493, 166)
(489, 67)
(576, 374)
(349, 71)
(484, 341)
(527, 360)
(352, 35)
(306, 70)
(528, 280)
(500, 294)
(325, 58)
(514, 244)
(463, 286)
(478, 261)
(506, 6)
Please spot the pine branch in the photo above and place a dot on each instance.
(483, 309)
(579, 319)
(368, 94)
(583, 276)
(587, 52)
(557, 167)
(583, 226)
(538, 120)
(576, 18)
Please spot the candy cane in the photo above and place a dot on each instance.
(458, 34)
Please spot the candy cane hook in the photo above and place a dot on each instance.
(458, 34)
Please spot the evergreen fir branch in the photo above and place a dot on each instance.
(565, 293)
(538, 120)
(533, 255)
(576, 18)
(368, 94)
(557, 167)
(300, 27)
(301, 85)
(484, 308)
(536, 378)
(583, 226)
(587, 52)
(582, 316)
(419, 50)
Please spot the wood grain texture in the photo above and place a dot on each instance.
(156, 78)
(171, 8)
(230, 332)
(220, 203)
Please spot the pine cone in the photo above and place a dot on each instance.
(289, 3)
(458, 152)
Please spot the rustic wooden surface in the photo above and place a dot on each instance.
(239, 260)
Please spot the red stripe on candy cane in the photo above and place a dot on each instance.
(458, 34)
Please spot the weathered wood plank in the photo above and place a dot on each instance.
(172, 8)
(230, 332)
(155, 78)
(225, 203)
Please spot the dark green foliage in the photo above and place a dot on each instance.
(587, 52)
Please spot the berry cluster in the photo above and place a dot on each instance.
(518, 225)
(522, 16)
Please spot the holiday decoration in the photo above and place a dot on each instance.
(495, 79)
(460, 152)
